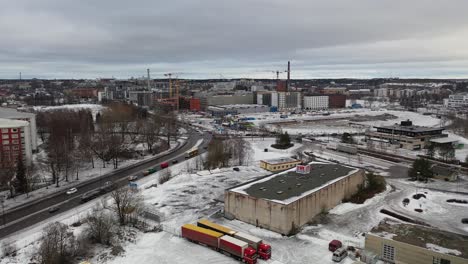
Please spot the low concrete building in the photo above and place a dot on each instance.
(222, 110)
(286, 201)
(406, 135)
(414, 244)
(280, 164)
(444, 173)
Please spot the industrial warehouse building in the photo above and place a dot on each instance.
(286, 201)
(413, 244)
(280, 164)
(223, 110)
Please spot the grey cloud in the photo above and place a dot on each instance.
(122, 38)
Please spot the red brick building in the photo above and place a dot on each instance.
(336, 101)
(85, 92)
(15, 142)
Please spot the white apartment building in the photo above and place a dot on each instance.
(457, 100)
(315, 102)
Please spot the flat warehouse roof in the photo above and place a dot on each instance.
(289, 186)
(416, 129)
(424, 237)
(280, 160)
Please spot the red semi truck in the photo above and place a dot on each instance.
(263, 249)
(219, 242)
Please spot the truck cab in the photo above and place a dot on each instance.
(250, 256)
(264, 251)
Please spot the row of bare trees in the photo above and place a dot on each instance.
(73, 138)
(227, 152)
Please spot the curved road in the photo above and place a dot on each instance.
(25, 216)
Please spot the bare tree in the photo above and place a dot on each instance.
(218, 154)
(164, 176)
(151, 132)
(125, 202)
(101, 226)
(240, 150)
(58, 245)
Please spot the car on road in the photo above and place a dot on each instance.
(90, 195)
(174, 161)
(132, 178)
(53, 209)
(72, 191)
(236, 169)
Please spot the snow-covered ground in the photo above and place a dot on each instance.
(190, 196)
(259, 145)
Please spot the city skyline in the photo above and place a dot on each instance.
(238, 39)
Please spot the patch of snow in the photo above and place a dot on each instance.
(443, 250)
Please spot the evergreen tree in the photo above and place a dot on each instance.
(421, 169)
(347, 138)
(430, 151)
(22, 182)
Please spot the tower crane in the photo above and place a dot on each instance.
(278, 73)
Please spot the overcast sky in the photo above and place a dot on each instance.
(239, 38)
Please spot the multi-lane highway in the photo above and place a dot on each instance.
(32, 213)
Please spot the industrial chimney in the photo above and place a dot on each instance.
(289, 76)
(148, 81)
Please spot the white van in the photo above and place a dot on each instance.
(339, 254)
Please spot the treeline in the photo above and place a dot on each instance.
(73, 138)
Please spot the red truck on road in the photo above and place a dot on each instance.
(219, 242)
(263, 249)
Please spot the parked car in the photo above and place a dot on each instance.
(132, 178)
(71, 191)
(339, 254)
(174, 161)
(53, 209)
(236, 169)
(334, 245)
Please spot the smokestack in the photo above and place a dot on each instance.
(289, 76)
(148, 71)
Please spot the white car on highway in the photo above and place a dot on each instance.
(72, 190)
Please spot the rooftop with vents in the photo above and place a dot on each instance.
(290, 185)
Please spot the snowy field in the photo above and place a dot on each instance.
(95, 108)
(259, 145)
(189, 196)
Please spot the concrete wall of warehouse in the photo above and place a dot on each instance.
(286, 219)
